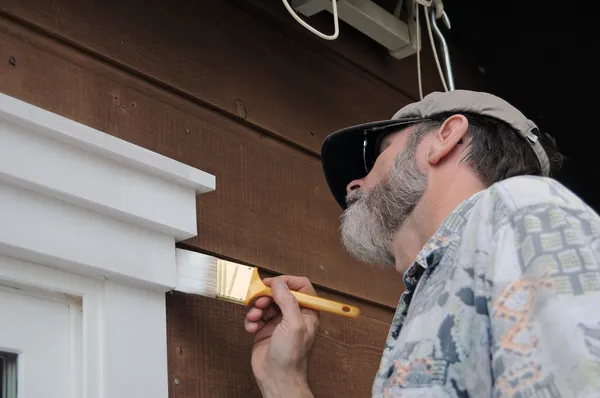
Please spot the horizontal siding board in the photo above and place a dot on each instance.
(271, 206)
(219, 54)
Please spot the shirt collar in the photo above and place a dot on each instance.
(434, 249)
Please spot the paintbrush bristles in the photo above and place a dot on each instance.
(212, 277)
(196, 273)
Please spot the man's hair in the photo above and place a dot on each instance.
(497, 151)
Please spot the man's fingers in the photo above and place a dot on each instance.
(253, 326)
(312, 319)
(271, 312)
(265, 330)
(297, 283)
(266, 312)
(254, 314)
(286, 301)
(257, 317)
(262, 307)
(263, 302)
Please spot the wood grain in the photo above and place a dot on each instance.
(219, 54)
(271, 207)
(210, 350)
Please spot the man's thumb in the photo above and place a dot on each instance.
(286, 301)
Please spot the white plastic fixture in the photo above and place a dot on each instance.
(88, 226)
(372, 20)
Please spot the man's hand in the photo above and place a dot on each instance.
(284, 335)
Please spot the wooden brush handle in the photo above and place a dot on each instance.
(323, 304)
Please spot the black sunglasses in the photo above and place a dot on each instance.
(373, 137)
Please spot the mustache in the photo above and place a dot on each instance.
(353, 197)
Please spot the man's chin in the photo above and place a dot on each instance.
(370, 255)
(376, 262)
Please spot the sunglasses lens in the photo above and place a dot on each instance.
(367, 158)
(372, 138)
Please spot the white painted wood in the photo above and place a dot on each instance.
(39, 330)
(58, 157)
(48, 230)
(135, 341)
(89, 140)
(87, 323)
(88, 226)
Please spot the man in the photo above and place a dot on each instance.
(500, 262)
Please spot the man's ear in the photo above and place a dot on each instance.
(449, 135)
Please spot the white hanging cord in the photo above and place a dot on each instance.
(398, 8)
(434, 50)
(439, 8)
(336, 28)
(419, 53)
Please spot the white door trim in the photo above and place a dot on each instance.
(94, 219)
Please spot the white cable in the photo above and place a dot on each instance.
(424, 3)
(398, 8)
(435, 54)
(419, 54)
(336, 28)
(439, 9)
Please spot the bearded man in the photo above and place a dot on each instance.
(501, 263)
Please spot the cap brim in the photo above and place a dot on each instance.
(342, 157)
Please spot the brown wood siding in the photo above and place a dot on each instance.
(237, 90)
(213, 52)
(273, 207)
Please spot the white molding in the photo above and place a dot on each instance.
(88, 215)
(59, 128)
(58, 157)
(41, 281)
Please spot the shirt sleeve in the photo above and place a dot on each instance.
(544, 304)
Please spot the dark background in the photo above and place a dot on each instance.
(540, 58)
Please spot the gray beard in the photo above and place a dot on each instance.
(373, 217)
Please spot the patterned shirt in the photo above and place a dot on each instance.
(503, 301)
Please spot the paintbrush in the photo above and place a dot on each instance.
(210, 276)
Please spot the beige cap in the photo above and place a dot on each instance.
(344, 154)
(481, 103)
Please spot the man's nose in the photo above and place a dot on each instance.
(354, 185)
